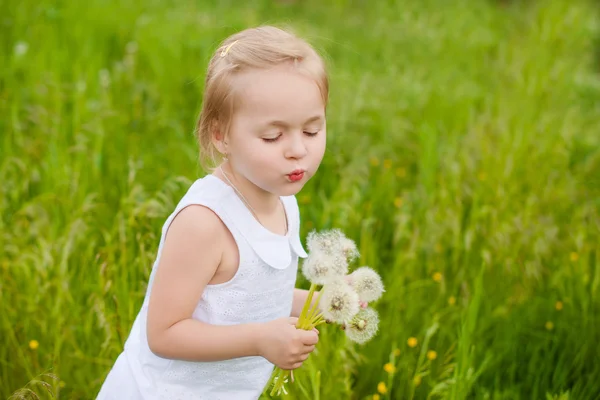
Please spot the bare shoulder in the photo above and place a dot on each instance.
(193, 244)
(198, 221)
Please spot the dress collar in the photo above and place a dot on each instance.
(274, 249)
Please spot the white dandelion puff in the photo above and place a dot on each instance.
(339, 303)
(104, 76)
(320, 267)
(328, 241)
(367, 283)
(363, 326)
(349, 249)
(131, 47)
(21, 49)
(332, 242)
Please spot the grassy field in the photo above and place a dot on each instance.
(463, 157)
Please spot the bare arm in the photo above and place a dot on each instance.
(300, 296)
(191, 255)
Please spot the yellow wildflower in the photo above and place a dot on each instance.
(400, 172)
(396, 352)
(398, 202)
(34, 344)
(374, 161)
(389, 368)
(452, 300)
(432, 355)
(412, 342)
(574, 256)
(387, 164)
(417, 380)
(549, 325)
(376, 397)
(437, 277)
(381, 388)
(559, 305)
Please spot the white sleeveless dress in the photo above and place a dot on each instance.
(261, 290)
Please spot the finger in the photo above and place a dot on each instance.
(293, 320)
(297, 365)
(310, 338)
(316, 330)
(309, 349)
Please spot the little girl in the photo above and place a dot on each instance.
(221, 307)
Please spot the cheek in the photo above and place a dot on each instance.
(257, 155)
(318, 147)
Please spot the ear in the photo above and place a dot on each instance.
(218, 138)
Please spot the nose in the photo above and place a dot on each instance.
(297, 147)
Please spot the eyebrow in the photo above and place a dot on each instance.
(284, 124)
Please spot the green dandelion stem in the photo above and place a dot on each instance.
(318, 321)
(279, 381)
(307, 304)
(314, 310)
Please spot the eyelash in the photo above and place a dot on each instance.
(310, 134)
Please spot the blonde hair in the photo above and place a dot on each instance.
(262, 48)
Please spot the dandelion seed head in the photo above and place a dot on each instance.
(104, 77)
(339, 303)
(131, 47)
(367, 283)
(21, 49)
(320, 267)
(363, 326)
(349, 249)
(332, 242)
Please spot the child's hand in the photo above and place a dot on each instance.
(285, 345)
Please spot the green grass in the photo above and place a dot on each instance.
(463, 140)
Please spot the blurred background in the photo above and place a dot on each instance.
(463, 158)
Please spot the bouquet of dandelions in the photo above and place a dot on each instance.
(344, 297)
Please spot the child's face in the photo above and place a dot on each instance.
(272, 133)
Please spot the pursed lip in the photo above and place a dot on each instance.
(297, 171)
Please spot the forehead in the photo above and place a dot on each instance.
(280, 93)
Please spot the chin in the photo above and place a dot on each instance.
(290, 189)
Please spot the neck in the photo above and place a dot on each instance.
(260, 201)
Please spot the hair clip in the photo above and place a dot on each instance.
(226, 50)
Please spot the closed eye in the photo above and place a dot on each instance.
(307, 133)
(271, 140)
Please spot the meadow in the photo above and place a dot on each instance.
(463, 158)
